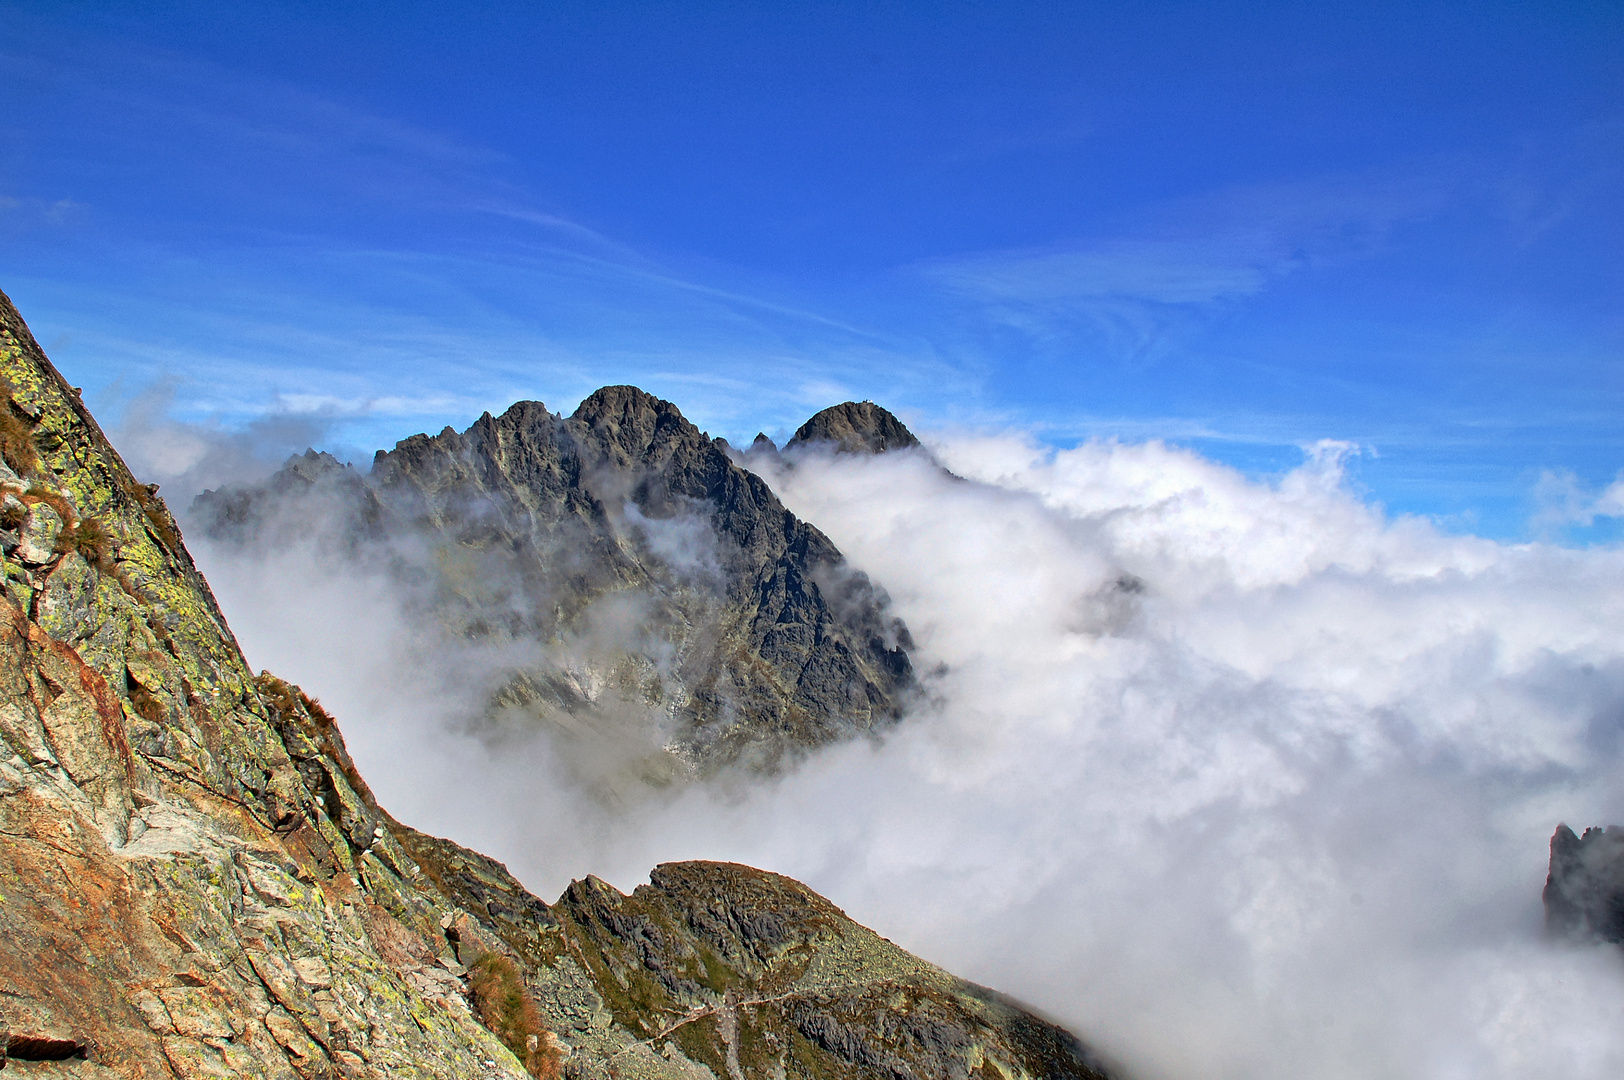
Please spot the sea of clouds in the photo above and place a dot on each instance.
(1235, 778)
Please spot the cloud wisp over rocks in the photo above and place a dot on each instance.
(1235, 778)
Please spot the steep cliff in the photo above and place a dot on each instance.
(677, 606)
(196, 882)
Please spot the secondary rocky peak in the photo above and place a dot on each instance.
(313, 465)
(854, 427)
(752, 975)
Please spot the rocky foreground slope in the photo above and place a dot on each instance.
(677, 617)
(196, 882)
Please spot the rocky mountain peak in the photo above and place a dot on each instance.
(759, 642)
(313, 465)
(854, 427)
(633, 421)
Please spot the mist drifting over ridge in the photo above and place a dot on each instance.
(1237, 778)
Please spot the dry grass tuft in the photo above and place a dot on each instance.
(16, 434)
(17, 442)
(313, 706)
(90, 539)
(504, 1006)
(39, 493)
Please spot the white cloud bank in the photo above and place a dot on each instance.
(1281, 811)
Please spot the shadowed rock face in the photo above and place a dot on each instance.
(855, 427)
(195, 881)
(1584, 892)
(752, 639)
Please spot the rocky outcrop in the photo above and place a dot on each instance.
(196, 882)
(720, 970)
(1584, 892)
(854, 427)
(752, 639)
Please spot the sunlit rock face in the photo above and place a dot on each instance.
(196, 882)
(663, 611)
(854, 427)
(1584, 893)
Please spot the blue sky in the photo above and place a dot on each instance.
(1242, 228)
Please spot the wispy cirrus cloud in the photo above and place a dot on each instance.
(1178, 262)
(1159, 271)
(389, 276)
(1563, 500)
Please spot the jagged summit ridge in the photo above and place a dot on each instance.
(758, 641)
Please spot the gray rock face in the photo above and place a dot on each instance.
(693, 619)
(1584, 892)
(854, 427)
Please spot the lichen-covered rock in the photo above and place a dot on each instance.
(193, 881)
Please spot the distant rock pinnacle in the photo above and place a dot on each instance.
(1584, 893)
